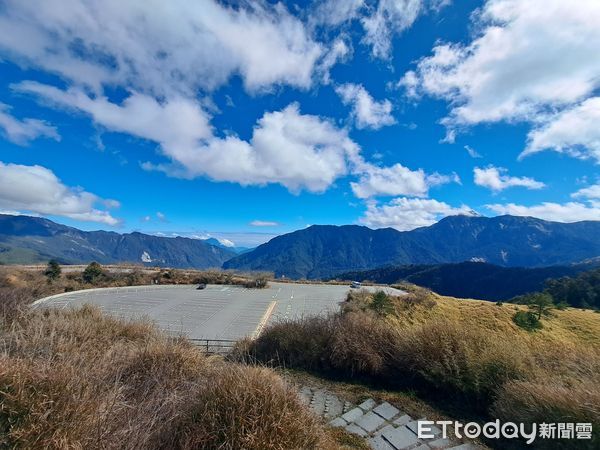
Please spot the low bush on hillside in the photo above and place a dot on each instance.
(469, 366)
(527, 320)
(78, 379)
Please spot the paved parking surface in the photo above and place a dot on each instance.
(217, 312)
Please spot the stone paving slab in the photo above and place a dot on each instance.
(338, 422)
(368, 404)
(383, 425)
(386, 410)
(355, 429)
(370, 422)
(440, 443)
(353, 415)
(403, 420)
(379, 443)
(401, 438)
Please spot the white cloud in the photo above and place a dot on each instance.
(495, 178)
(226, 242)
(160, 216)
(178, 122)
(396, 180)
(295, 150)
(408, 213)
(527, 60)
(367, 112)
(264, 223)
(389, 18)
(566, 212)
(590, 192)
(472, 152)
(340, 50)
(336, 12)
(36, 189)
(23, 131)
(575, 131)
(160, 47)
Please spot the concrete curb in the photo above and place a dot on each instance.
(107, 290)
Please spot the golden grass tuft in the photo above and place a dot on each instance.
(78, 379)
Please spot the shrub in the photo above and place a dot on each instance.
(92, 273)
(257, 282)
(249, 408)
(527, 320)
(52, 271)
(540, 303)
(300, 343)
(381, 303)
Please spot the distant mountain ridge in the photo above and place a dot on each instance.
(25, 239)
(470, 279)
(326, 250)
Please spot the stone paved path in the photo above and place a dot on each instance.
(384, 426)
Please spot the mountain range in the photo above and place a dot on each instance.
(318, 251)
(325, 250)
(471, 279)
(27, 240)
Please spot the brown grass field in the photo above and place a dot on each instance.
(78, 379)
(465, 356)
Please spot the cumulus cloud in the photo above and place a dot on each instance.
(575, 131)
(295, 150)
(37, 189)
(408, 213)
(367, 112)
(527, 60)
(201, 44)
(396, 180)
(336, 12)
(590, 192)
(178, 122)
(264, 223)
(389, 18)
(558, 212)
(23, 131)
(495, 178)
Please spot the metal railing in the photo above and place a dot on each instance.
(214, 346)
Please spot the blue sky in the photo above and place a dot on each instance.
(246, 120)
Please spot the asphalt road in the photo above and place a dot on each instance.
(217, 312)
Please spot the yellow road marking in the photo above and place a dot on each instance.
(265, 318)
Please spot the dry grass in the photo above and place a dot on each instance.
(80, 380)
(469, 355)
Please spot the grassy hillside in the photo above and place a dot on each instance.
(571, 326)
(466, 356)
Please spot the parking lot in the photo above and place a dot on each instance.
(217, 312)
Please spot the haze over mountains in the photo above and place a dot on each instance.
(318, 251)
